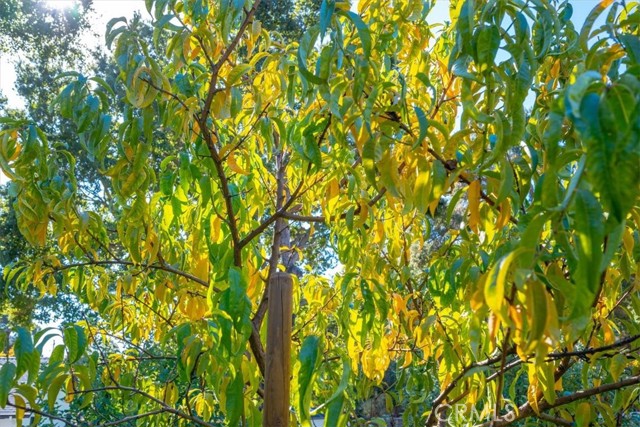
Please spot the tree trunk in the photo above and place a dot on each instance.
(278, 369)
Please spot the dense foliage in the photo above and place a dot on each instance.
(376, 125)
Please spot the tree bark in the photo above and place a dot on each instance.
(278, 368)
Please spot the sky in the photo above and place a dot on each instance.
(104, 11)
(108, 9)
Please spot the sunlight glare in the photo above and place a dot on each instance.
(60, 4)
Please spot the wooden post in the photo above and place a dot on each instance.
(278, 369)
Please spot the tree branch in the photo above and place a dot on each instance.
(42, 414)
(594, 350)
(452, 385)
(163, 405)
(163, 267)
(215, 70)
(279, 213)
(527, 411)
(556, 420)
(450, 167)
(303, 218)
(133, 418)
(224, 188)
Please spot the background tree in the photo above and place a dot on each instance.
(43, 41)
(365, 132)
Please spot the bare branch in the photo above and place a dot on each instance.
(43, 414)
(133, 418)
(593, 350)
(161, 403)
(279, 213)
(556, 420)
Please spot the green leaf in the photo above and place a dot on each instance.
(75, 341)
(7, 375)
(235, 301)
(326, 11)
(423, 122)
(235, 399)
(487, 45)
(631, 45)
(585, 32)
(438, 179)
(547, 380)
(103, 84)
(506, 181)
(583, 414)
(189, 357)
(577, 91)
(309, 358)
(614, 148)
(339, 393)
(589, 235)
(464, 25)
(537, 306)
(54, 390)
(23, 350)
(304, 49)
(363, 31)
(369, 158)
(236, 73)
(111, 34)
(336, 416)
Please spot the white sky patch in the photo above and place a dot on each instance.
(103, 12)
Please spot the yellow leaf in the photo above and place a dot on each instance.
(70, 390)
(220, 105)
(473, 194)
(494, 290)
(627, 240)
(609, 336)
(375, 361)
(233, 165)
(201, 269)
(186, 47)
(20, 405)
(379, 236)
(421, 189)
(494, 326)
(408, 358)
(537, 312)
(400, 303)
(363, 214)
(583, 414)
(505, 214)
(617, 365)
(532, 392)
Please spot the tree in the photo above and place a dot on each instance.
(367, 124)
(44, 42)
(41, 41)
